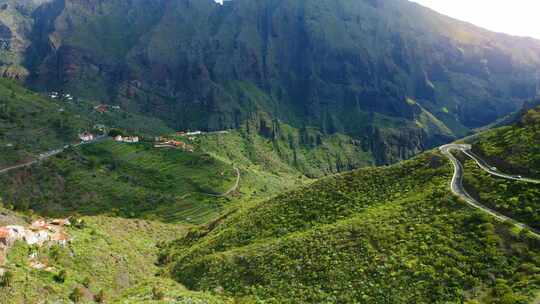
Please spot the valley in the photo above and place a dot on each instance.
(260, 152)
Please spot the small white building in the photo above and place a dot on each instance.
(194, 133)
(127, 139)
(16, 233)
(131, 139)
(37, 237)
(86, 136)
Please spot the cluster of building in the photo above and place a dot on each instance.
(86, 137)
(103, 108)
(39, 233)
(56, 95)
(127, 139)
(163, 142)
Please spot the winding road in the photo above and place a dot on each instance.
(49, 154)
(457, 183)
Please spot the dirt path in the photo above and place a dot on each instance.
(232, 189)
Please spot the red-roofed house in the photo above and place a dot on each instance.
(4, 236)
(101, 108)
(60, 238)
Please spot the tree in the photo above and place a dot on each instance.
(86, 282)
(100, 297)
(157, 294)
(76, 295)
(61, 276)
(7, 279)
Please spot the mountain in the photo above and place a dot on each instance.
(382, 235)
(390, 73)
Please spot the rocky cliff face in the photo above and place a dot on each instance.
(391, 71)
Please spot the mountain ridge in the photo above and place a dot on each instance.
(338, 66)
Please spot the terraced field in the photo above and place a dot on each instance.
(125, 180)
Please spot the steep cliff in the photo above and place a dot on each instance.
(391, 71)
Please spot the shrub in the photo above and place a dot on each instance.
(76, 295)
(157, 294)
(61, 276)
(6, 279)
(100, 297)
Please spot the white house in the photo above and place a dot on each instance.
(38, 237)
(16, 233)
(131, 139)
(86, 136)
(127, 139)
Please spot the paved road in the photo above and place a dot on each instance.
(49, 154)
(487, 168)
(457, 186)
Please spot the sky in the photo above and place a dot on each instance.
(515, 17)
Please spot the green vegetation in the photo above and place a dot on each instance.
(127, 180)
(277, 147)
(130, 123)
(210, 67)
(31, 124)
(515, 199)
(515, 148)
(384, 235)
(511, 149)
(111, 258)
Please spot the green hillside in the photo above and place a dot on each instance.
(518, 200)
(514, 148)
(277, 147)
(127, 180)
(340, 66)
(383, 235)
(109, 255)
(31, 124)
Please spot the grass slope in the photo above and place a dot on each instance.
(382, 235)
(277, 147)
(518, 200)
(112, 255)
(127, 180)
(30, 124)
(514, 148)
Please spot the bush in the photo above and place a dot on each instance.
(86, 282)
(100, 297)
(76, 295)
(157, 294)
(7, 279)
(61, 276)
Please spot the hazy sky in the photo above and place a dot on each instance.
(516, 17)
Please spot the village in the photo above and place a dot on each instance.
(101, 131)
(158, 142)
(39, 233)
